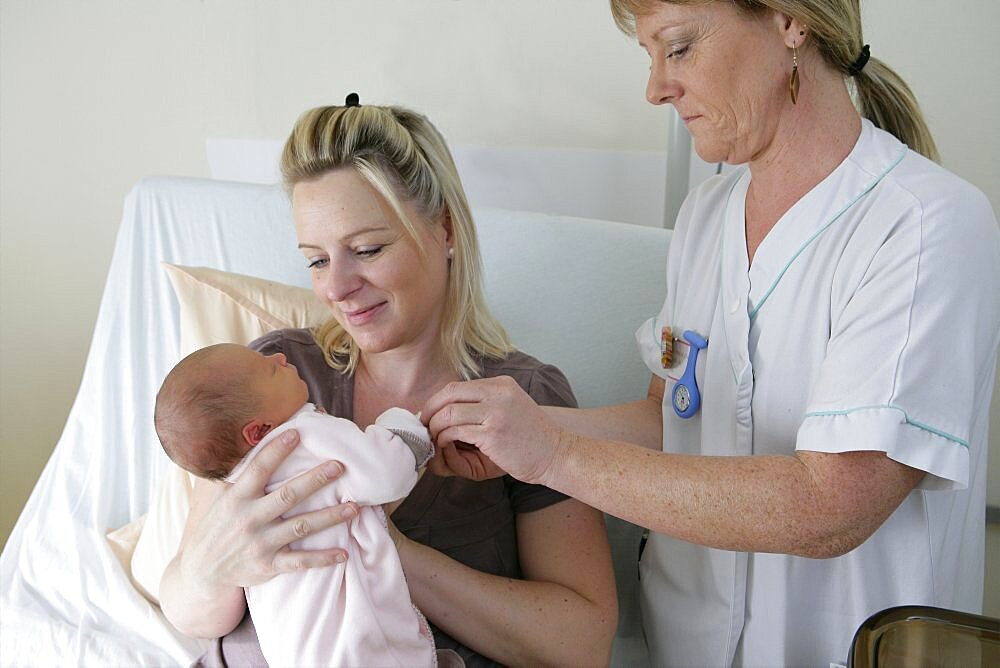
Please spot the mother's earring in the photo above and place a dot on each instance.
(793, 81)
(451, 253)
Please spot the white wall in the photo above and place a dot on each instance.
(95, 95)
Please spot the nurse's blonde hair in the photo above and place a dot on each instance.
(404, 158)
(880, 94)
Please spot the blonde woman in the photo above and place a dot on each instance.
(813, 446)
(506, 572)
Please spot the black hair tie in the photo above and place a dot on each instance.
(352, 100)
(859, 64)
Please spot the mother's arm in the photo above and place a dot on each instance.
(235, 537)
(564, 612)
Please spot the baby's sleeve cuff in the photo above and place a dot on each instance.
(419, 445)
(408, 427)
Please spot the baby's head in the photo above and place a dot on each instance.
(220, 401)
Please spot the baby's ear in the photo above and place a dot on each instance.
(254, 431)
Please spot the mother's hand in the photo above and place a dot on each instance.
(235, 537)
(509, 430)
(239, 537)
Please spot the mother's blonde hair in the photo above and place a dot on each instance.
(404, 158)
(835, 26)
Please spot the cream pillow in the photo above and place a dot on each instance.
(220, 307)
(215, 307)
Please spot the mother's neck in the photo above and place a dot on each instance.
(409, 371)
(406, 378)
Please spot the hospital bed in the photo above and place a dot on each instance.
(571, 291)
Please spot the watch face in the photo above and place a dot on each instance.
(682, 398)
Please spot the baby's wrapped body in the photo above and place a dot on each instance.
(357, 613)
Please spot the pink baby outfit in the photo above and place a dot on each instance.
(357, 613)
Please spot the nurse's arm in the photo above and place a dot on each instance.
(810, 504)
(639, 422)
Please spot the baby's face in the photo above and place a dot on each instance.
(275, 381)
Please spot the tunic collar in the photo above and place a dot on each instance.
(873, 156)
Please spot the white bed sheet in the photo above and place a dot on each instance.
(65, 598)
(570, 291)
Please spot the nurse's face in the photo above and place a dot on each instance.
(726, 72)
(384, 292)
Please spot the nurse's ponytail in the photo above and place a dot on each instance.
(884, 98)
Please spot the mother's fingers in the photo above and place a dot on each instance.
(300, 526)
(251, 483)
(290, 494)
(287, 561)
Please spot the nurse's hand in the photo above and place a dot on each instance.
(463, 460)
(498, 418)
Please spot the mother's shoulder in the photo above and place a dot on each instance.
(515, 360)
(546, 383)
(279, 340)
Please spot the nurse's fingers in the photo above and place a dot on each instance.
(464, 392)
(471, 463)
(438, 465)
(454, 415)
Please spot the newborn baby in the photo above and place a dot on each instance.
(214, 413)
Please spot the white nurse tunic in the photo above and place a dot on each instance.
(869, 320)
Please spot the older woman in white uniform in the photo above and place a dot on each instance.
(813, 446)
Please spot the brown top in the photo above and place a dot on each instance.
(471, 522)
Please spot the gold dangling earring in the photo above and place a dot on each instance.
(793, 81)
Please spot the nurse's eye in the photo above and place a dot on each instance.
(678, 52)
(318, 263)
(368, 251)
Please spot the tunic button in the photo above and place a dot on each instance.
(735, 306)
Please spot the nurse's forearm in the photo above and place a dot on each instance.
(639, 422)
(811, 504)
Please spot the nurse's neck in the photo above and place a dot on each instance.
(810, 139)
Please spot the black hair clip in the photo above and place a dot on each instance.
(859, 64)
(352, 100)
